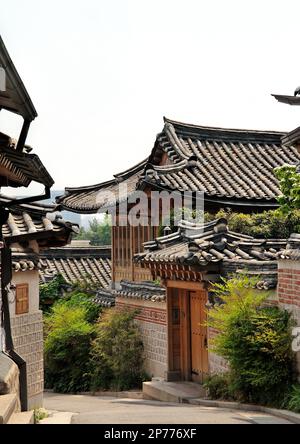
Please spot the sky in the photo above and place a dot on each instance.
(103, 73)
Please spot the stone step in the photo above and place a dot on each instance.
(58, 418)
(22, 418)
(8, 406)
(179, 392)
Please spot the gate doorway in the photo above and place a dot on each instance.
(187, 336)
(199, 354)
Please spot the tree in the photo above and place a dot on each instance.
(289, 183)
(68, 336)
(272, 224)
(51, 291)
(99, 233)
(117, 351)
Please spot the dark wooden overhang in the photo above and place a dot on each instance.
(15, 98)
(288, 100)
(213, 203)
(181, 272)
(79, 252)
(20, 168)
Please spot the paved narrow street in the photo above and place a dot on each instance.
(107, 410)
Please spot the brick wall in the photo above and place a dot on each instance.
(289, 286)
(289, 291)
(27, 333)
(152, 321)
(216, 363)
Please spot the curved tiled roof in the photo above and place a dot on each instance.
(96, 198)
(90, 270)
(91, 265)
(200, 245)
(22, 264)
(35, 222)
(105, 298)
(147, 291)
(228, 165)
(223, 163)
(29, 222)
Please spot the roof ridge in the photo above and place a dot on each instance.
(112, 181)
(29, 207)
(225, 129)
(134, 169)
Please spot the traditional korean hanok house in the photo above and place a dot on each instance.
(29, 230)
(18, 168)
(186, 262)
(234, 168)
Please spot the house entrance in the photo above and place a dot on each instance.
(188, 354)
(199, 354)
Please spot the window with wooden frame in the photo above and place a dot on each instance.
(22, 299)
(116, 245)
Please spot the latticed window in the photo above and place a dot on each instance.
(22, 299)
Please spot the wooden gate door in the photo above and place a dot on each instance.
(199, 353)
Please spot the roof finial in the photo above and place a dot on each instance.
(167, 231)
(297, 91)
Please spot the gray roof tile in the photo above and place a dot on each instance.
(91, 265)
(226, 164)
(200, 245)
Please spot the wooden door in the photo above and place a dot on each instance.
(199, 353)
(176, 343)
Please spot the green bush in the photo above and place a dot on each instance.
(67, 347)
(268, 224)
(220, 386)
(293, 399)
(40, 414)
(51, 291)
(81, 354)
(117, 352)
(254, 339)
(83, 300)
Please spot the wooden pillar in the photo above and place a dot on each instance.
(185, 335)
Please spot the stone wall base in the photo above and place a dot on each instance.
(152, 322)
(27, 333)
